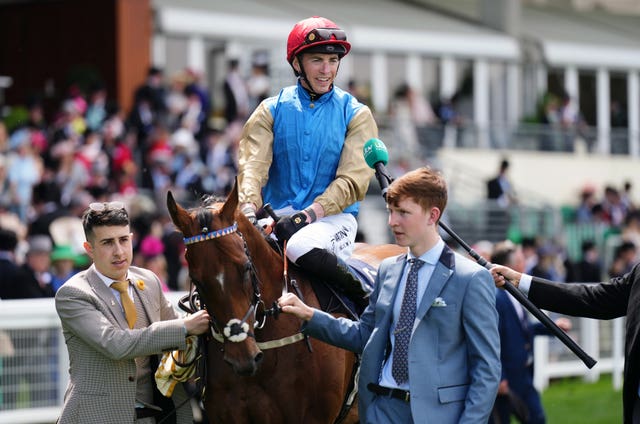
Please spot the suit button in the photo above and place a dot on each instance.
(131, 378)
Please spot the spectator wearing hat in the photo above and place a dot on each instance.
(37, 268)
(63, 265)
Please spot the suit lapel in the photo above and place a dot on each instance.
(146, 300)
(389, 289)
(105, 294)
(441, 274)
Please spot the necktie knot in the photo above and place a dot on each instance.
(121, 286)
(416, 263)
(127, 304)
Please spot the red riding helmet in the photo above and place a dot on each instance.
(319, 35)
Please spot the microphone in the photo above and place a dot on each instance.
(376, 156)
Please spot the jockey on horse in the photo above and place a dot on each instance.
(301, 152)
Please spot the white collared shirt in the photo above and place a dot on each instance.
(108, 281)
(430, 258)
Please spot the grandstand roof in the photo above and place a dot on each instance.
(379, 25)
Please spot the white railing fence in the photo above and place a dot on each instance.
(34, 376)
(602, 340)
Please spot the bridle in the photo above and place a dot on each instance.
(235, 330)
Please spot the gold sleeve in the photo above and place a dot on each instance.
(353, 174)
(255, 153)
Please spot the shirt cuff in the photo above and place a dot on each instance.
(525, 283)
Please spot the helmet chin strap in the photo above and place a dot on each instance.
(303, 76)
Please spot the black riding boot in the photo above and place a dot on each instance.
(335, 272)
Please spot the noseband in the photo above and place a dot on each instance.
(236, 330)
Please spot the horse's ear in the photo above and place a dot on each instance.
(230, 206)
(179, 216)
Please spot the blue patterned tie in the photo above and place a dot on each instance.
(400, 367)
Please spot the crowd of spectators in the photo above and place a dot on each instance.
(90, 150)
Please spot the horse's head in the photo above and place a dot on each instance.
(221, 268)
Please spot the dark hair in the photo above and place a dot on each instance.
(423, 185)
(587, 245)
(624, 247)
(528, 242)
(108, 217)
(154, 71)
(8, 240)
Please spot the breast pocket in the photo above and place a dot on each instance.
(443, 316)
(446, 321)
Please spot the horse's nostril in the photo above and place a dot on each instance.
(258, 358)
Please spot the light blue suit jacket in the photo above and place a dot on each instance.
(454, 352)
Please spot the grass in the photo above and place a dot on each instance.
(573, 401)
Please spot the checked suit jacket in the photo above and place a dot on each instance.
(102, 348)
(454, 351)
(617, 298)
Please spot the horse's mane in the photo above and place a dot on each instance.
(210, 199)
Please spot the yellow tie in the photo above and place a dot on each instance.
(125, 299)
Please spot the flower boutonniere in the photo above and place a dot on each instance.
(140, 284)
(439, 303)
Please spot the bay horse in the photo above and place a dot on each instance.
(259, 368)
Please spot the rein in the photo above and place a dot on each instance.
(236, 330)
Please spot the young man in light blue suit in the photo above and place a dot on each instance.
(452, 361)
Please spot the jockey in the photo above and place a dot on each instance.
(301, 151)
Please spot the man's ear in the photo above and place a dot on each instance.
(434, 215)
(88, 248)
(296, 64)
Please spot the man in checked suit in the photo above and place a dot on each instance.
(452, 361)
(618, 297)
(111, 351)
